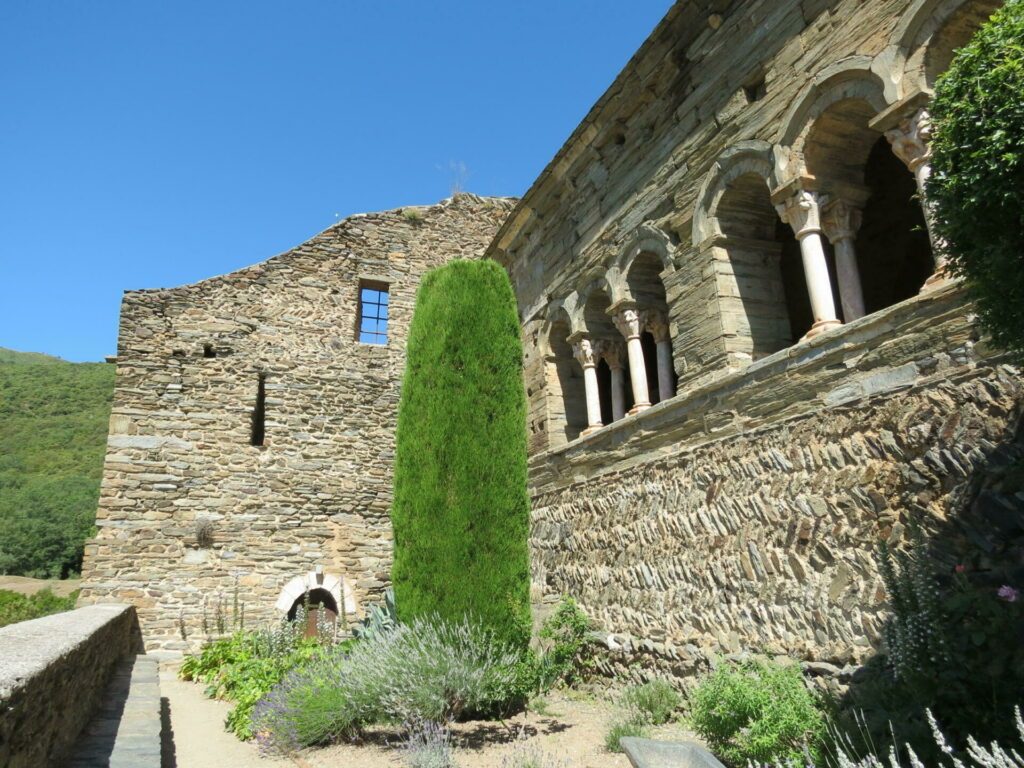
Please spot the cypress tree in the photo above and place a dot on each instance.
(461, 509)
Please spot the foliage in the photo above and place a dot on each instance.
(429, 670)
(526, 755)
(655, 701)
(569, 655)
(628, 726)
(53, 430)
(757, 711)
(428, 745)
(975, 756)
(461, 510)
(953, 646)
(379, 618)
(977, 182)
(245, 666)
(15, 607)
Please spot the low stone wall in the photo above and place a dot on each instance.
(53, 672)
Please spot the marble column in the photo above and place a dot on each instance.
(910, 143)
(803, 213)
(840, 222)
(627, 320)
(656, 322)
(583, 351)
(614, 354)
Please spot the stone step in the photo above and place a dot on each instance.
(649, 753)
(125, 732)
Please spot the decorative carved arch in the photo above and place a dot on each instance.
(336, 586)
(738, 160)
(851, 78)
(555, 312)
(646, 238)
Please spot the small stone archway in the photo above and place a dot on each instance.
(323, 589)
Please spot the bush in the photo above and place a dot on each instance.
(620, 729)
(757, 711)
(427, 671)
(244, 667)
(15, 607)
(655, 701)
(531, 756)
(977, 182)
(569, 653)
(428, 745)
(461, 510)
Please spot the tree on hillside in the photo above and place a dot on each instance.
(977, 182)
(461, 510)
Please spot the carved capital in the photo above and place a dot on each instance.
(840, 221)
(628, 322)
(802, 211)
(911, 139)
(655, 321)
(583, 351)
(612, 352)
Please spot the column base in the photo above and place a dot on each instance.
(821, 327)
(638, 408)
(591, 430)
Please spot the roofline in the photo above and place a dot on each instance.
(577, 139)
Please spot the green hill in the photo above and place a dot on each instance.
(53, 428)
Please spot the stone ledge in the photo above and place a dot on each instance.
(648, 753)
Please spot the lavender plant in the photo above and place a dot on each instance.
(427, 745)
(531, 756)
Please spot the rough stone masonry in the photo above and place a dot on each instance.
(196, 524)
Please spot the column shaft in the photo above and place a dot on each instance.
(593, 398)
(848, 276)
(628, 321)
(618, 393)
(666, 384)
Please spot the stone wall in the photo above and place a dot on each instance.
(53, 673)
(745, 515)
(317, 492)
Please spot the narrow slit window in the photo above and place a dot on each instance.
(373, 313)
(259, 412)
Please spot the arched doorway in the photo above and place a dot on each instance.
(318, 609)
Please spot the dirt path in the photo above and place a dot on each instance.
(197, 725)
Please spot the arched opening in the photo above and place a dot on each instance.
(643, 279)
(945, 36)
(763, 292)
(566, 395)
(893, 251)
(874, 226)
(318, 607)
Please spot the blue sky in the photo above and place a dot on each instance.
(147, 144)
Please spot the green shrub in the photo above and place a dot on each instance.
(461, 510)
(757, 711)
(429, 670)
(654, 701)
(569, 652)
(629, 726)
(977, 182)
(245, 666)
(15, 607)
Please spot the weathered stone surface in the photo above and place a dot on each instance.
(53, 674)
(317, 493)
(648, 753)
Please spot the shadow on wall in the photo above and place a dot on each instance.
(954, 642)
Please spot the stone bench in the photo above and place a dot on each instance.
(648, 753)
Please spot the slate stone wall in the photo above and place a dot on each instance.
(317, 493)
(744, 516)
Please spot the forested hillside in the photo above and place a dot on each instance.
(53, 428)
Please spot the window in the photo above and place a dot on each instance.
(373, 313)
(257, 434)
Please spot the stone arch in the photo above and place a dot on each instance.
(923, 41)
(565, 393)
(591, 319)
(850, 81)
(748, 157)
(335, 586)
(646, 238)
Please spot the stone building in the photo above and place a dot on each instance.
(252, 432)
(743, 361)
